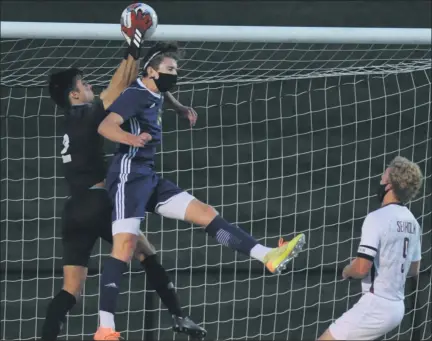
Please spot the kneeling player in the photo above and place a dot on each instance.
(389, 252)
(135, 187)
(87, 213)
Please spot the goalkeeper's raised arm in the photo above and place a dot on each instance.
(127, 72)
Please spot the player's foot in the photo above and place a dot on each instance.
(187, 326)
(106, 334)
(277, 259)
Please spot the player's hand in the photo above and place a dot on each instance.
(345, 272)
(188, 113)
(140, 140)
(140, 22)
(134, 35)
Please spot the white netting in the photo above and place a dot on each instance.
(290, 138)
(212, 62)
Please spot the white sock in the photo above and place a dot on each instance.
(259, 251)
(106, 319)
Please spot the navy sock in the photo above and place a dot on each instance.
(110, 284)
(230, 235)
(161, 283)
(56, 315)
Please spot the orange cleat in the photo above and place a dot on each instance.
(106, 334)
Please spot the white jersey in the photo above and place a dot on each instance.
(391, 239)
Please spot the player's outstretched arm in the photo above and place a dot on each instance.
(123, 77)
(367, 250)
(128, 69)
(181, 109)
(358, 269)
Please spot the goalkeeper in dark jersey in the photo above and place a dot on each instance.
(87, 213)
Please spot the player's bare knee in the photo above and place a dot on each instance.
(74, 278)
(142, 252)
(124, 246)
(125, 235)
(144, 248)
(209, 212)
(200, 213)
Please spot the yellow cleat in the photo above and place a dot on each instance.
(277, 259)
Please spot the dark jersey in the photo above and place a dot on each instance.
(83, 155)
(140, 109)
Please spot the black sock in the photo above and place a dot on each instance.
(159, 280)
(56, 315)
(110, 284)
(230, 235)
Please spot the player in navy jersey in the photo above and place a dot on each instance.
(133, 121)
(87, 213)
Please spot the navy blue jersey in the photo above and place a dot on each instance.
(83, 155)
(140, 109)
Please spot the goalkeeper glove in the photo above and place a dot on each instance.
(134, 35)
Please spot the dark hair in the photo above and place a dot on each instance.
(158, 52)
(61, 83)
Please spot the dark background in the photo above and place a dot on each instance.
(276, 157)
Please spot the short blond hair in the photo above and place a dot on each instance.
(405, 177)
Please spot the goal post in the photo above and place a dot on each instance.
(273, 34)
(295, 127)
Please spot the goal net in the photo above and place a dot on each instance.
(290, 138)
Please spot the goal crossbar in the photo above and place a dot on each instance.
(212, 33)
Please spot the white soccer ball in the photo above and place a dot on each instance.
(141, 16)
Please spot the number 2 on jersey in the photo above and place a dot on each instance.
(404, 251)
(66, 157)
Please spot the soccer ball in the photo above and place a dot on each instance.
(138, 16)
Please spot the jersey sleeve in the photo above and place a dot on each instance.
(128, 102)
(370, 238)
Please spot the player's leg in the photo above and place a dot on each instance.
(227, 234)
(129, 193)
(73, 280)
(78, 240)
(113, 269)
(162, 284)
(174, 203)
(145, 253)
(159, 280)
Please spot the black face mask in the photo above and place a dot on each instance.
(381, 192)
(165, 82)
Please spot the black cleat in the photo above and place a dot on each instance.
(187, 326)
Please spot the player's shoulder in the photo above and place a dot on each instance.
(85, 113)
(78, 112)
(137, 87)
(389, 210)
(386, 214)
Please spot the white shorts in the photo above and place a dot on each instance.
(174, 208)
(369, 319)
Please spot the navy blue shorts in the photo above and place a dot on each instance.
(133, 194)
